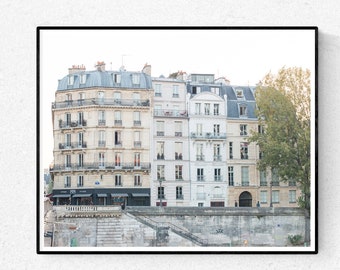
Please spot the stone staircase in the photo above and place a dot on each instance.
(109, 232)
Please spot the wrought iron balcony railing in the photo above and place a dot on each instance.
(200, 157)
(170, 113)
(137, 123)
(73, 145)
(200, 178)
(100, 166)
(137, 144)
(218, 178)
(208, 135)
(100, 102)
(72, 124)
(217, 158)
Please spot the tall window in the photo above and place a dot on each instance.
(215, 90)
(230, 150)
(178, 129)
(216, 109)
(245, 176)
(160, 128)
(216, 130)
(197, 108)
(101, 141)
(117, 97)
(275, 196)
(118, 118)
(136, 119)
(244, 150)
(138, 180)
(116, 78)
(137, 160)
(217, 152)
(206, 108)
(101, 160)
(135, 79)
(118, 159)
(217, 174)
(200, 174)
(68, 161)
(292, 196)
(178, 150)
(118, 139)
(82, 78)
(68, 119)
(175, 91)
(263, 196)
(101, 118)
(199, 129)
(275, 177)
(179, 193)
(160, 172)
(231, 176)
(118, 180)
(243, 110)
(199, 151)
(160, 193)
(81, 119)
(137, 141)
(263, 178)
(160, 150)
(67, 181)
(158, 90)
(70, 80)
(80, 160)
(243, 130)
(101, 97)
(80, 181)
(68, 140)
(136, 98)
(81, 143)
(260, 129)
(179, 172)
(196, 90)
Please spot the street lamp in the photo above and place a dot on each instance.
(271, 193)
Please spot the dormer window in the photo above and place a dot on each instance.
(215, 90)
(135, 78)
(239, 93)
(82, 78)
(196, 90)
(116, 78)
(70, 80)
(243, 110)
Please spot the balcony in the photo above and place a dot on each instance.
(179, 197)
(245, 184)
(208, 136)
(217, 158)
(175, 95)
(118, 123)
(200, 157)
(200, 178)
(263, 183)
(160, 133)
(170, 113)
(218, 178)
(137, 123)
(101, 143)
(72, 124)
(178, 156)
(101, 122)
(159, 196)
(118, 144)
(178, 134)
(101, 102)
(137, 144)
(160, 156)
(100, 166)
(73, 145)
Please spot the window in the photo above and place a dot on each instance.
(101, 160)
(178, 129)
(80, 160)
(179, 193)
(68, 119)
(70, 80)
(101, 118)
(138, 180)
(216, 130)
(136, 98)
(160, 173)
(69, 99)
(200, 204)
(175, 91)
(199, 129)
(216, 109)
(101, 141)
(239, 93)
(101, 97)
(118, 159)
(135, 79)
(217, 152)
(80, 181)
(117, 97)
(137, 160)
(215, 90)
(243, 110)
(81, 143)
(206, 108)
(158, 90)
(178, 151)
(200, 174)
(230, 150)
(263, 196)
(160, 150)
(67, 182)
(275, 196)
(118, 139)
(199, 152)
(260, 129)
(118, 180)
(263, 180)
(198, 108)
(82, 78)
(196, 90)
(291, 183)
(178, 172)
(137, 142)
(217, 174)
(116, 78)
(81, 98)
(245, 176)
(68, 161)
(231, 176)
(81, 121)
(275, 177)
(292, 196)
(160, 193)
(244, 150)
(243, 130)
(118, 118)
(160, 128)
(68, 140)
(260, 154)
(136, 119)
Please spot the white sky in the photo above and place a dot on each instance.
(242, 56)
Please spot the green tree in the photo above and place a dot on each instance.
(283, 109)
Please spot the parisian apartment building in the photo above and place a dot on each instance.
(127, 138)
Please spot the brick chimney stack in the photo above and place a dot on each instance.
(76, 69)
(100, 66)
(147, 69)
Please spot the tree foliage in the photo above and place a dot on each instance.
(283, 109)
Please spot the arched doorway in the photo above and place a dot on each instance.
(245, 199)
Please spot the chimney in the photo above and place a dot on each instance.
(147, 69)
(181, 75)
(100, 66)
(76, 69)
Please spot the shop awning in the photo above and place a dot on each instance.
(82, 195)
(140, 195)
(119, 195)
(61, 196)
(101, 195)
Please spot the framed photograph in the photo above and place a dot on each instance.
(177, 140)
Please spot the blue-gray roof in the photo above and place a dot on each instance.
(105, 79)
